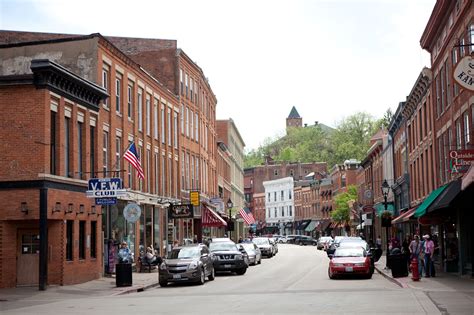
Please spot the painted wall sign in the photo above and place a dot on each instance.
(461, 160)
(463, 73)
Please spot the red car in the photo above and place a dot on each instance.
(349, 261)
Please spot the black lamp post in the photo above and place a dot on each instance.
(229, 206)
(385, 191)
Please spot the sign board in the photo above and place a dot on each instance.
(132, 212)
(460, 160)
(463, 73)
(181, 211)
(194, 197)
(105, 201)
(368, 194)
(105, 187)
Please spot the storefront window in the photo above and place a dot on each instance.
(156, 229)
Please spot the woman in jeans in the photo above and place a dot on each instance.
(428, 251)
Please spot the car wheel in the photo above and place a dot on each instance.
(212, 276)
(331, 276)
(163, 284)
(241, 271)
(202, 278)
(300, 243)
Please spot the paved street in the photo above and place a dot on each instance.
(293, 282)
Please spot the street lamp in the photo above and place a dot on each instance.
(385, 191)
(229, 206)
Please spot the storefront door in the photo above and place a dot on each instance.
(27, 258)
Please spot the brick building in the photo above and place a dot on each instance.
(89, 143)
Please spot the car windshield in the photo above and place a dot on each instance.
(261, 241)
(248, 247)
(222, 246)
(185, 252)
(349, 252)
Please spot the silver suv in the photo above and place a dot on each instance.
(190, 263)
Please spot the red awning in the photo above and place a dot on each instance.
(404, 217)
(211, 219)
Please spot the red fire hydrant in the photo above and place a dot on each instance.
(415, 275)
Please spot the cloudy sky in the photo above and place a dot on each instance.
(328, 58)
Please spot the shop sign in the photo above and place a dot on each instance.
(181, 211)
(132, 212)
(105, 187)
(461, 160)
(194, 197)
(463, 73)
(105, 201)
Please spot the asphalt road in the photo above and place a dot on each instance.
(295, 281)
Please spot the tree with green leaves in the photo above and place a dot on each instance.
(341, 212)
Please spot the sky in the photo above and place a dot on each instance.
(328, 58)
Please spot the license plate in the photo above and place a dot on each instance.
(176, 276)
(227, 266)
(348, 269)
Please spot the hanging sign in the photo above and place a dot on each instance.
(181, 211)
(194, 197)
(463, 73)
(132, 212)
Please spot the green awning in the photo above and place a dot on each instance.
(311, 226)
(421, 210)
(380, 207)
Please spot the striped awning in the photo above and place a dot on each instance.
(211, 219)
(404, 217)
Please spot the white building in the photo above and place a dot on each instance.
(279, 202)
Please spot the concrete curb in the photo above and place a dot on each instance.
(134, 289)
(394, 280)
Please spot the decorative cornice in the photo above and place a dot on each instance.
(422, 85)
(48, 74)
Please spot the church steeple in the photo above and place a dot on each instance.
(294, 119)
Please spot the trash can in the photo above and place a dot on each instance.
(398, 265)
(123, 275)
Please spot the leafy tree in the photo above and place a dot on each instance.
(383, 122)
(341, 212)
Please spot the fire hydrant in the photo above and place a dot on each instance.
(415, 275)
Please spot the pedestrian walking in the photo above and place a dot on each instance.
(415, 249)
(428, 251)
(378, 242)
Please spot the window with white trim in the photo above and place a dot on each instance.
(105, 82)
(163, 134)
(196, 126)
(130, 101)
(155, 118)
(148, 114)
(118, 92)
(175, 129)
(140, 110)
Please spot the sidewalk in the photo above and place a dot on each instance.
(104, 286)
(442, 282)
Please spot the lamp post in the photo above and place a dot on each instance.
(385, 191)
(229, 206)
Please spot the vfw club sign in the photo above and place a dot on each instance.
(464, 72)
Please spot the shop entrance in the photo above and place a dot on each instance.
(27, 271)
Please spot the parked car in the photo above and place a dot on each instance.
(254, 253)
(349, 261)
(338, 240)
(274, 244)
(324, 242)
(291, 238)
(228, 257)
(362, 244)
(190, 263)
(304, 240)
(220, 239)
(264, 245)
(279, 238)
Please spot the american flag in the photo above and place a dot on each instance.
(247, 216)
(131, 155)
